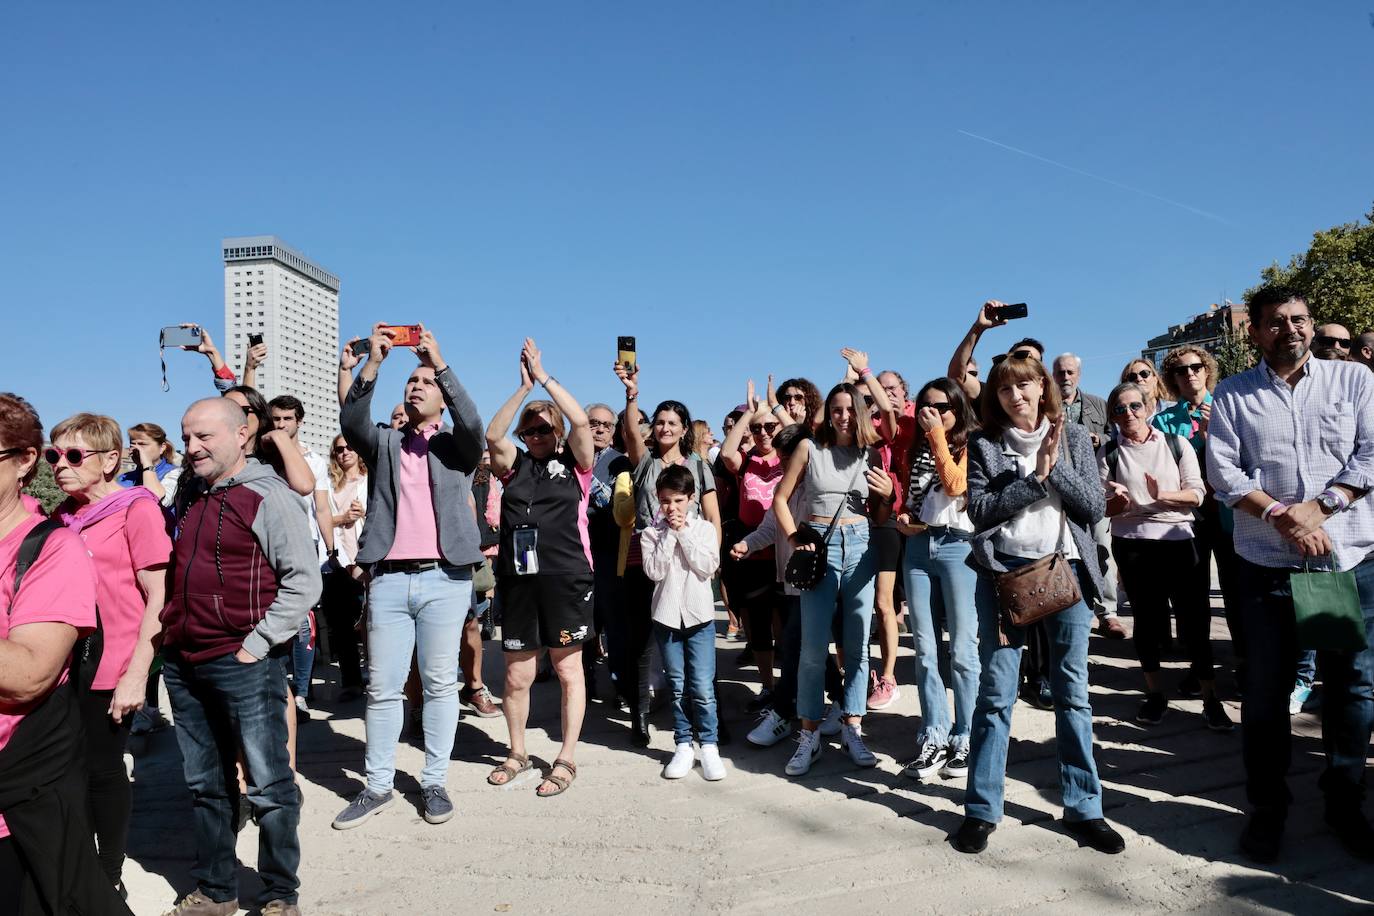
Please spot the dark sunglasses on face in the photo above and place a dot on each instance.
(793, 396)
(768, 428)
(341, 448)
(601, 424)
(74, 456)
(1140, 376)
(1189, 369)
(943, 406)
(542, 430)
(1121, 409)
(1326, 340)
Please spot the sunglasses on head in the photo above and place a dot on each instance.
(768, 428)
(943, 406)
(74, 456)
(1121, 409)
(1189, 369)
(543, 429)
(1140, 376)
(1326, 340)
(1023, 353)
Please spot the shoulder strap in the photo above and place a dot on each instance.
(31, 547)
(1113, 457)
(1174, 446)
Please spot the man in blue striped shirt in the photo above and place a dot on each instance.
(1291, 449)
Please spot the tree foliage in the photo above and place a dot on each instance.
(44, 488)
(1335, 275)
(1235, 353)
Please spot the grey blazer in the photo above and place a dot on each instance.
(1094, 414)
(997, 493)
(454, 453)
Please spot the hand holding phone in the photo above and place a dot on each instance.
(187, 336)
(1010, 312)
(402, 335)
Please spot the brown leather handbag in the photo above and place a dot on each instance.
(1037, 590)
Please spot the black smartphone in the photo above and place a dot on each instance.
(254, 339)
(625, 353)
(181, 337)
(361, 348)
(1008, 312)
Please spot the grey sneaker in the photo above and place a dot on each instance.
(437, 806)
(361, 808)
(197, 904)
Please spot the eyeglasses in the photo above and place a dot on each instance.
(943, 406)
(74, 456)
(1189, 369)
(11, 452)
(1140, 376)
(1326, 340)
(1276, 324)
(793, 396)
(768, 428)
(1121, 409)
(542, 430)
(601, 424)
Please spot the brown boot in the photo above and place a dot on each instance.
(197, 904)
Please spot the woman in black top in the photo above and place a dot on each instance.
(544, 567)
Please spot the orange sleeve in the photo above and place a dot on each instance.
(953, 474)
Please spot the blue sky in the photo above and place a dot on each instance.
(746, 187)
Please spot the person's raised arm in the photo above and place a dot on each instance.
(795, 466)
(223, 376)
(501, 450)
(858, 364)
(251, 360)
(635, 449)
(348, 361)
(468, 435)
(355, 416)
(731, 455)
(579, 430)
(286, 459)
(958, 363)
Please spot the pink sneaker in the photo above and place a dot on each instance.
(883, 694)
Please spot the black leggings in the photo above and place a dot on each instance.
(342, 605)
(756, 596)
(12, 873)
(109, 798)
(1156, 574)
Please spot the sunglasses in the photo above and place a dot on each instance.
(74, 456)
(341, 448)
(542, 430)
(1121, 409)
(1022, 354)
(601, 424)
(1140, 376)
(1326, 340)
(11, 452)
(793, 396)
(1189, 369)
(943, 407)
(973, 372)
(768, 428)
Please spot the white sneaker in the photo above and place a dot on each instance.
(830, 722)
(712, 767)
(681, 764)
(852, 740)
(808, 749)
(302, 709)
(771, 729)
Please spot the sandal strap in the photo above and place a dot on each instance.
(565, 764)
(559, 781)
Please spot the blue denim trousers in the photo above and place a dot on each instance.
(1265, 605)
(423, 612)
(849, 571)
(302, 660)
(689, 660)
(1073, 717)
(938, 579)
(220, 707)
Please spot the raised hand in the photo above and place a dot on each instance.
(348, 360)
(772, 393)
(629, 379)
(428, 350)
(928, 418)
(533, 360)
(257, 355)
(379, 343)
(857, 359)
(987, 315)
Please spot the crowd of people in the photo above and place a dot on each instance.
(1003, 517)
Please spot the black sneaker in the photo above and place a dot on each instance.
(929, 758)
(1190, 688)
(956, 767)
(1262, 837)
(972, 836)
(760, 702)
(1353, 830)
(1152, 711)
(1215, 714)
(1098, 834)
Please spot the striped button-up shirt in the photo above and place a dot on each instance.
(1293, 443)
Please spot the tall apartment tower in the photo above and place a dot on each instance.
(273, 290)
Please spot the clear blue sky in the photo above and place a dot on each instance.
(746, 187)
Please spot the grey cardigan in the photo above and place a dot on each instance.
(454, 453)
(997, 492)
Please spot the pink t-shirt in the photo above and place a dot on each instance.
(120, 545)
(759, 478)
(58, 588)
(417, 533)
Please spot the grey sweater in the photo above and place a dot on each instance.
(454, 453)
(997, 492)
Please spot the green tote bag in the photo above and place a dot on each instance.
(1328, 612)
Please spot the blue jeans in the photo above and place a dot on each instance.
(939, 580)
(302, 660)
(689, 659)
(1073, 717)
(1307, 666)
(1265, 605)
(849, 571)
(220, 707)
(422, 612)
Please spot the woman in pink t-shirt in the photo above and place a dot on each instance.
(125, 535)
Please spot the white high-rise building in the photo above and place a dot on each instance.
(273, 290)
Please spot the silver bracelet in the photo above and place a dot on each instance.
(545, 384)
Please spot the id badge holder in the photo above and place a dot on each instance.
(526, 546)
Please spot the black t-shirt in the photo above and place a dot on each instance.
(551, 495)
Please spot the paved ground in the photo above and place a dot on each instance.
(840, 840)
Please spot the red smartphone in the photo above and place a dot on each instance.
(403, 335)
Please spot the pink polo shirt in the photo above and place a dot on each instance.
(417, 532)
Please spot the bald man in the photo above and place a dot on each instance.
(1332, 341)
(245, 574)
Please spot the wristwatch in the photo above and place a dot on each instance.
(1329, 502)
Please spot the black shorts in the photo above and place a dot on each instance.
(756, 596)
(545, 611)
(886, 544)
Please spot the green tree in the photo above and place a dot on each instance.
(44, 488)
(1335, 275)
(1235, 353)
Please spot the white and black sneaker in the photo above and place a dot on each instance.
(808, 749)
(956, 764)
(929, 759)
(770, 729)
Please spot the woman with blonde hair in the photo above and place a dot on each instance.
(1141, 372)
(342, 600)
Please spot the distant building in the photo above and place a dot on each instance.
(273, 290)
(1203, 331)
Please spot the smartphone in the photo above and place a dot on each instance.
(625, 353)
(1008, 312)
(180, 337)
(254, 340)
(361, 348)
(404, 335)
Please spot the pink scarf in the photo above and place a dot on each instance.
(115, 502)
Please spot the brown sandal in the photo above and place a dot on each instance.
(558, 781)
(510, 771)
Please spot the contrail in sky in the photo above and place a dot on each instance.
(1115, 184)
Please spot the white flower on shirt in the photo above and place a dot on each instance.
(556, 469)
